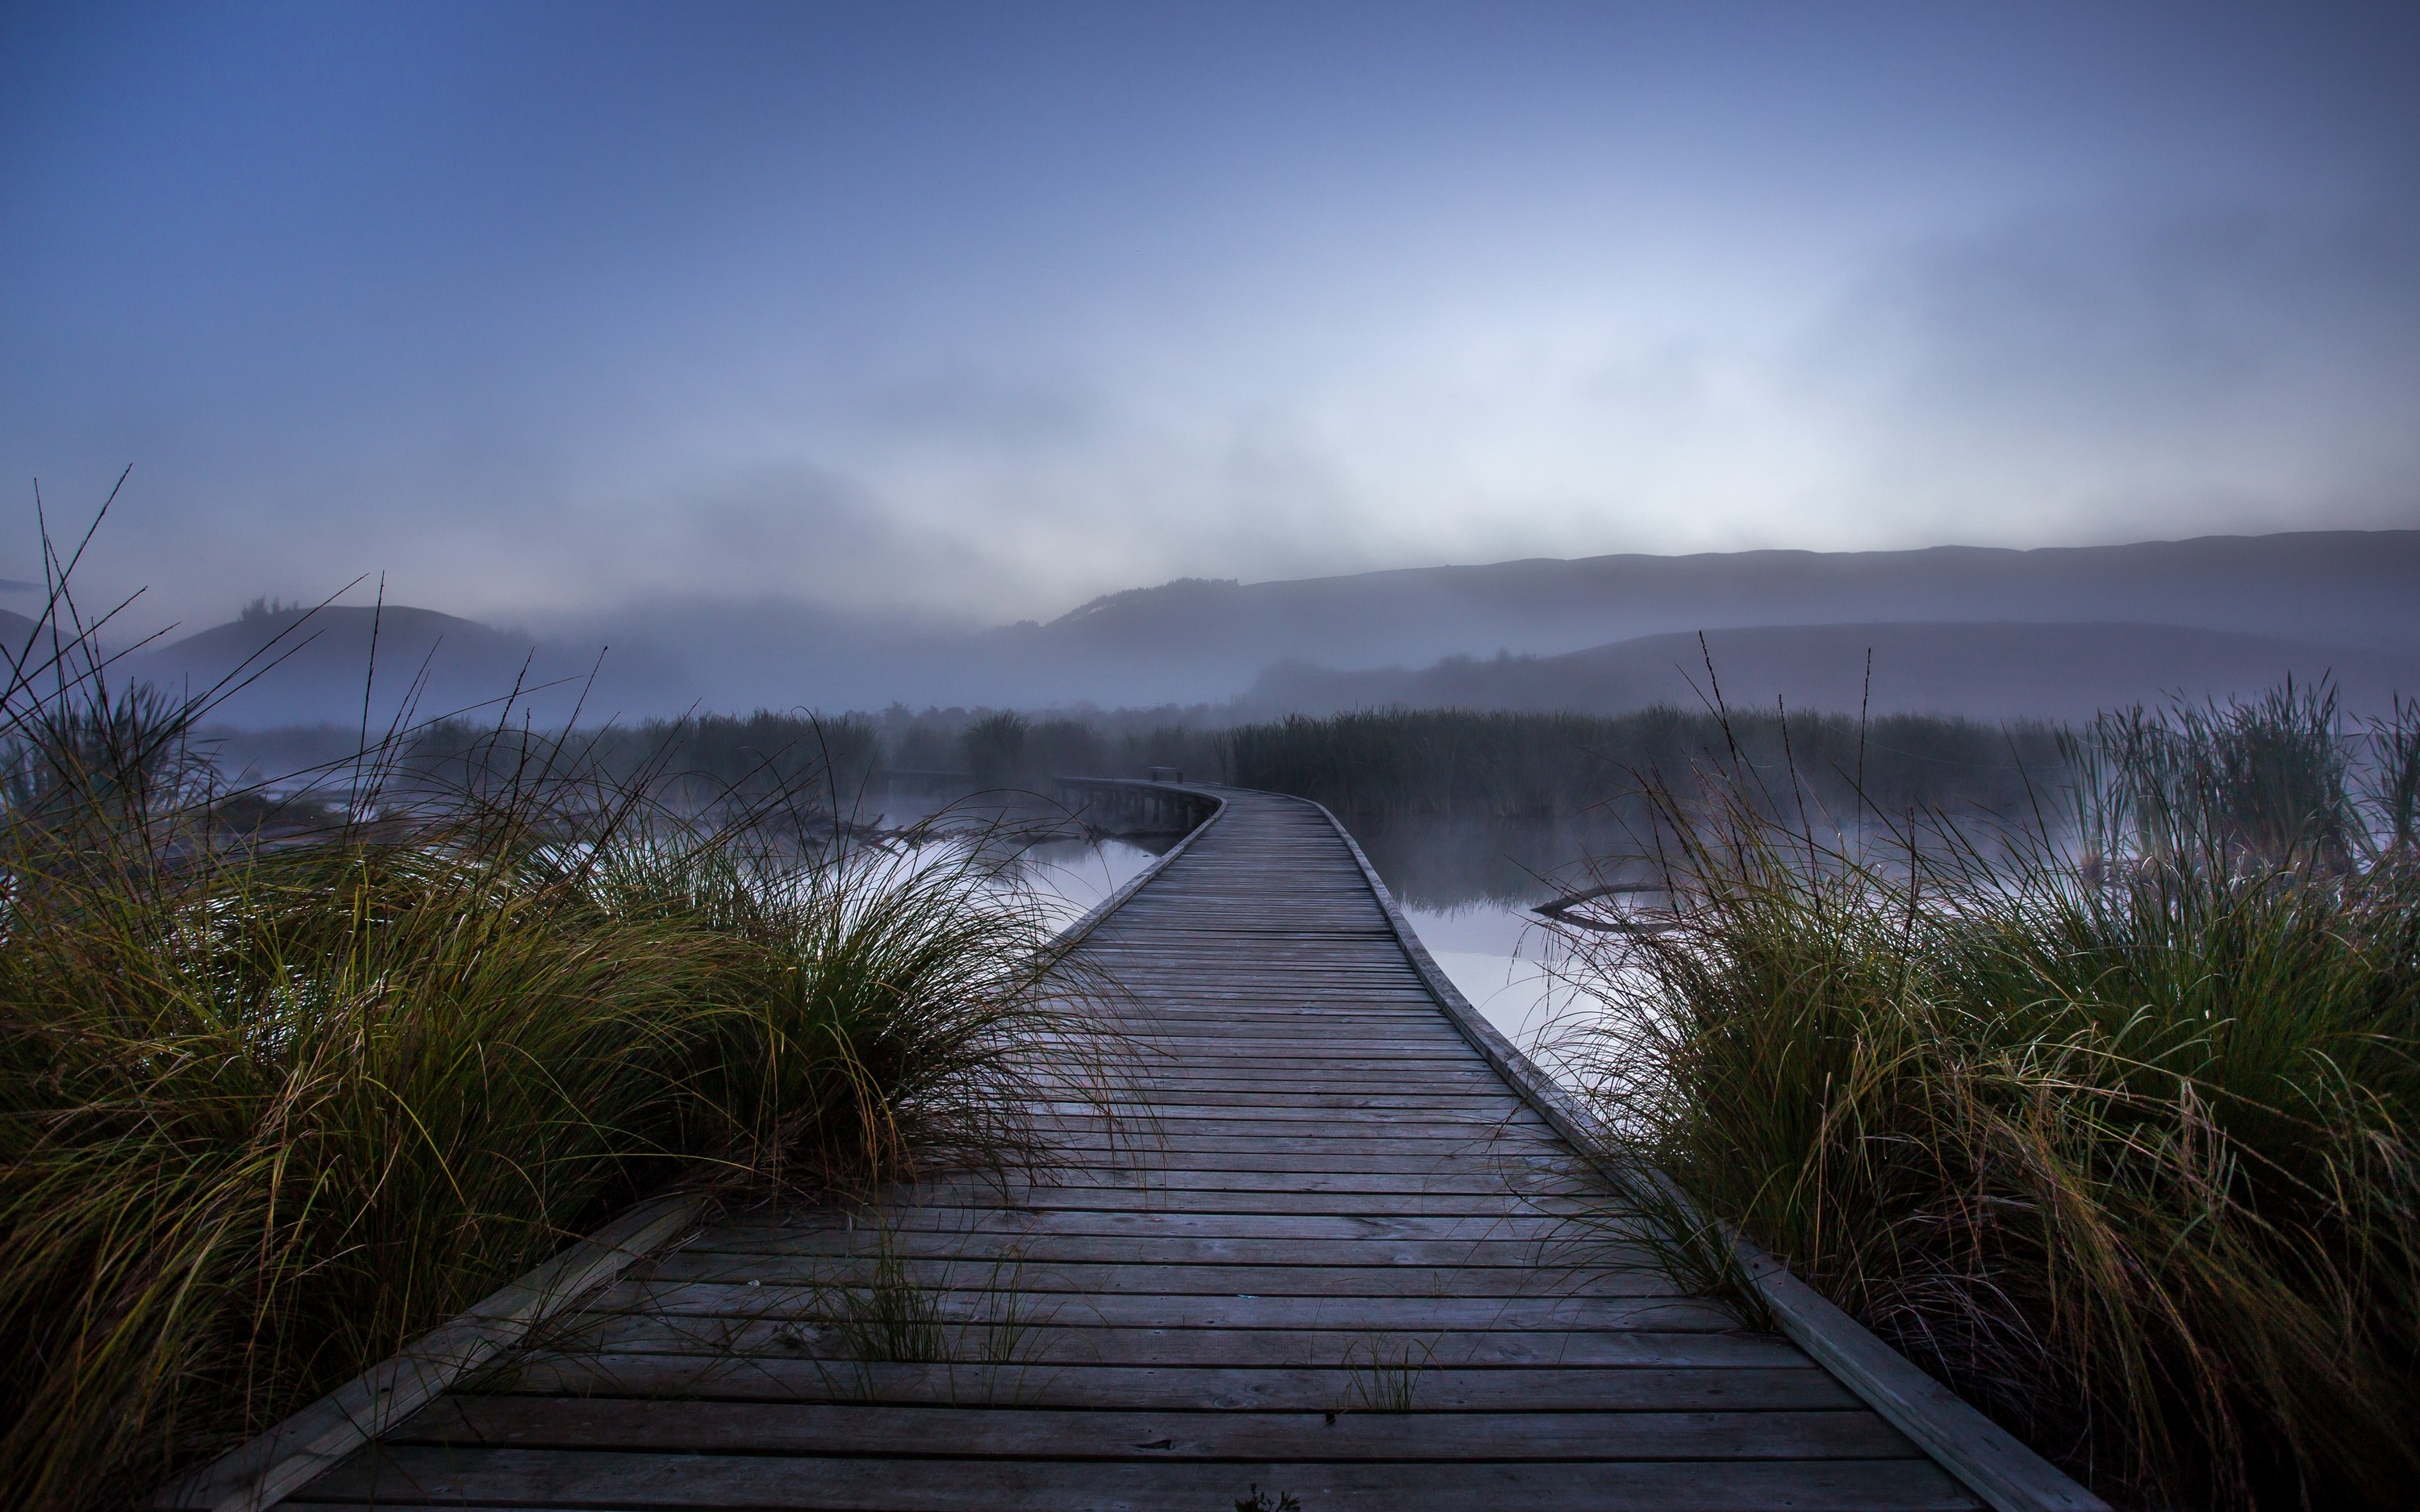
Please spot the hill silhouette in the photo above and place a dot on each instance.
(323, 665)
(1201, 638)
(1985, 670)
(2211, 615)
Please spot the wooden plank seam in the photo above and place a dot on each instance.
(266, 1470)
(1987, 1459)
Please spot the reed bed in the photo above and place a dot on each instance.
(2107, 1119)
(270, 1107)
(1457, 764)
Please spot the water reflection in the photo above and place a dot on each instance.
(1044, 850)
(1509, 966)
(1440, 866)
(1071, 876)
(1468, 887)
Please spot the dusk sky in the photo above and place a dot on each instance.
(978, 310)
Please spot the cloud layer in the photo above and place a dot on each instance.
(969, 314)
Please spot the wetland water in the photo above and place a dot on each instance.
(1468, 888)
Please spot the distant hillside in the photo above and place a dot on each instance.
(1989, 671)
(1196, 639)
(323, 662)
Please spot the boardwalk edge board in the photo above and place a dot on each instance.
(266, 1470)
(1985, 1458)
(1073, 935)
(281, 1462)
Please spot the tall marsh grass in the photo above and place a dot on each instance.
(1453, 763)
(2112, 1119)
(271, 1106)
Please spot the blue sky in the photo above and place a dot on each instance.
(977, 311)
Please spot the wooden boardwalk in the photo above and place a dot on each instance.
(1342, 1262)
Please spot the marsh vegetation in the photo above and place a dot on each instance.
(1447, 765)
(286, 1082)
(2105, 1117)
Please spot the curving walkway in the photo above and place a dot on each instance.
(1335, 1258)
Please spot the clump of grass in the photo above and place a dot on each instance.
(2109, 1124)
(270, 1109)
(884, 1313)
(890, 1318)
(1384, 1379)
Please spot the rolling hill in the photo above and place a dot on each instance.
(1981, 630)
(1196, 639)
(1993, 671)
(292, 665)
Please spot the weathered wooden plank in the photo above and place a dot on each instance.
(1218, 1073)
(1441, 1169)
(1305, 931)
(413, 1475)
(1093, 1278)
(1269, 1193)
(1347, 1043)
(1123, 1110)
(1471, 1178)
(1061, 1339)
(1270, 1226)
(1157, 1248)
(1157, 1198)
(760, 1301)
(1493, 1143)
(1280, 1101)
(1129, 1115)
(956, 1433)
(1289, 1051)
(1187, 988)
(1796, 1386)
(1510, 1158)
